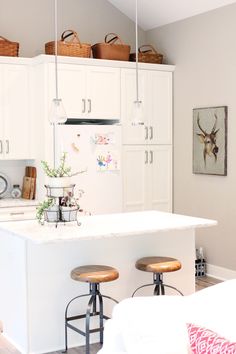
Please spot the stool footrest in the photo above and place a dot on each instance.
(82, 332)
(78, 317)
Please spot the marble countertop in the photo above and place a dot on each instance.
(99, 226)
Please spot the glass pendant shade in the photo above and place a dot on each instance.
(137, 113)
(57, 113)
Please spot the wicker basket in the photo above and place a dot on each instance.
(110, 49)
(72, 48)
(8, 48)
(149, 55)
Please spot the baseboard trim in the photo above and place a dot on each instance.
(220, 272)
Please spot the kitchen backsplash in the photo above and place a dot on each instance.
(15, 170)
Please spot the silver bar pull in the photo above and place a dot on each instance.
(1, 147)
(146, 133)
(8, 149)
(146, 157)
(17, 213)
(84, 105)
(151, 132)
(151, 157)
(90, 105)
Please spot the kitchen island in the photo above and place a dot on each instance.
(36, 261)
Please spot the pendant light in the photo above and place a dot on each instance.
(137, 109)
(57, 112)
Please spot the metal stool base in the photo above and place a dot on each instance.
(159, 288)
(94, 293)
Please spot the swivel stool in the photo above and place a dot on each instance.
(94, 275)
(158, 266)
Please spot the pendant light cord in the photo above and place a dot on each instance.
(136, 51)
(56, 84)
(56, 47)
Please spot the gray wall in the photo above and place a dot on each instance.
(204, 51)
(30, 22)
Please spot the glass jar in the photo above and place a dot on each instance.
(16, 191)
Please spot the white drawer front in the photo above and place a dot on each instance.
(20, 213)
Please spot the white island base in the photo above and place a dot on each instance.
(36, 261)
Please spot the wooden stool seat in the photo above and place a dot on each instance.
(158, 264)
(94, 273)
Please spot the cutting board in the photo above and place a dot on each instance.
(29, 183)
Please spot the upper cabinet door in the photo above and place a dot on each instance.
(133, 134)
(71, 88)
(87, 91)
(103, 92)
(160, 107)
(155, 89)
(15, 113)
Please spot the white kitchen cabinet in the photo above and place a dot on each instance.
(14, 112)
(155, 88)
(88, 92)
(147, 177)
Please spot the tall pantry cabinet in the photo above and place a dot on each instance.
(147, 148)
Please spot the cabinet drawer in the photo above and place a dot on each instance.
(18, 213)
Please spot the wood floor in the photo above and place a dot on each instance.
(7, 348)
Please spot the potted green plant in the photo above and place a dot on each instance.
(47, 210)
(59, 177)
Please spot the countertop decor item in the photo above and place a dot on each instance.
(5, 185)
(29, 183)
(60, 204)
(8, 48)
(16, 191)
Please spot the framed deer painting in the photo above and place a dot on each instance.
(210, 140)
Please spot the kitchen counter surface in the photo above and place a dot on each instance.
(100, 226)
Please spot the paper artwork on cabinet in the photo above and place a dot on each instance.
(108, 161)
(103, 138)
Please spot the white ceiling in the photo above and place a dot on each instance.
(154, 13)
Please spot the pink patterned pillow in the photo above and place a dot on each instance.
(205, 341)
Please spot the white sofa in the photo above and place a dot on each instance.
(157, 324)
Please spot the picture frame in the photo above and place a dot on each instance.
(210, 140)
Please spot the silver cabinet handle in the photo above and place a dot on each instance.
(90, 105)
(8, 149)
(84, 105)
(146, 133)
(146, 157)
(17, 213)
(151, 157)
(1, 147)
(151, 132)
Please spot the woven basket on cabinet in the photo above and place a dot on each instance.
(72, 48)
(149, 55)
(8, 48)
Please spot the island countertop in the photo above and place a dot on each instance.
(100, 226)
